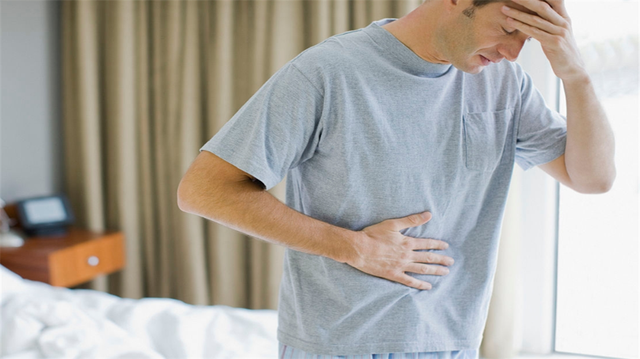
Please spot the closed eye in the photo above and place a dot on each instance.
(507, 32)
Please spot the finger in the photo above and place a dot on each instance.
(426, 269)
(559, 7)
(412, 282)
(552, 27)
(545, 8)
(413, 220)
(532, 31)
(428, 243)
(430, 257)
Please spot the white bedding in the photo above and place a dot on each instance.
(41, 321)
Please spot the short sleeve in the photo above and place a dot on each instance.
(542, 132)
(275, 130)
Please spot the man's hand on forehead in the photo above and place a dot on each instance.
(549, 23)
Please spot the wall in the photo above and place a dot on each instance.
(30, 99)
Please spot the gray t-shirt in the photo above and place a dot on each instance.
(365, 131)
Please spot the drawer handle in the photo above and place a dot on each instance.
(93, 261)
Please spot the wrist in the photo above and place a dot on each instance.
(577, 85)
(346, 249)
(579, 78)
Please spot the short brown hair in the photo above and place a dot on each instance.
(470, 11)
(481, 3)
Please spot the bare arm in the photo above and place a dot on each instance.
(214, 189)
(589, 155)
(588, 163)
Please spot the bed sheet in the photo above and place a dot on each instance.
(41, 321)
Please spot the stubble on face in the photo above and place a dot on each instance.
(458, 42)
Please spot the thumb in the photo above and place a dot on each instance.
(413, 220)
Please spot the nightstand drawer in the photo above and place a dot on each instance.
(66, 260)
(84, 261)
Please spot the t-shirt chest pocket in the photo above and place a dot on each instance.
(485, 134)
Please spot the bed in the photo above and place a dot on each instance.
(41, 321)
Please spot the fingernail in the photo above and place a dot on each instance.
(506, 8)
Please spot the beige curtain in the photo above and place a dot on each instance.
(145, 84)
(503, 331)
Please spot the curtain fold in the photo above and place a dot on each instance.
(120, 138)
(503, 331)
(145, 84)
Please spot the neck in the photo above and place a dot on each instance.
(418, 30)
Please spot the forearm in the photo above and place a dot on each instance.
(589, 153)
(215, 189)
(246, 207)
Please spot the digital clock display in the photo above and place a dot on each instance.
(45, 210)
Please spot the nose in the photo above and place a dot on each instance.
(511, 49)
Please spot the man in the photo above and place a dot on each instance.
(380, 130)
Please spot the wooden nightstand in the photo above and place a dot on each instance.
(66, 260)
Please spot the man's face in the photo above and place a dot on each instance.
(472, 42)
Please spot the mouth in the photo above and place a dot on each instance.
(485, 61)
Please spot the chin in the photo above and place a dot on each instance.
(475, 70)
(469, 66)
(471, 69)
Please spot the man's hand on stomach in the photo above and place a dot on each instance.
(382, 251)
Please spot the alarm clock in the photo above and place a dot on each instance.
(43, 216)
